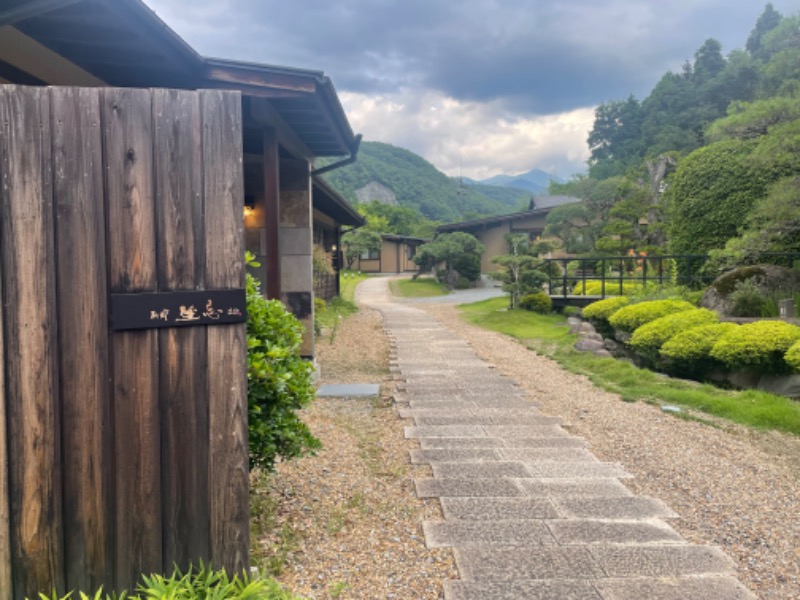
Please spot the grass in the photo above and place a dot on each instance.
(348, 280)
(417, 288)
(549, 335)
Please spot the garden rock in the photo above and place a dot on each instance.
(783, 385)
(603, 352)
(611, 345)
(768, 278)
(592, 336)
(587, 345)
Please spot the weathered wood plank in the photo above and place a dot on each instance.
(128, 139)
(227, 345)
(83, 338)
(180, 265)
(30, 319)
(272, 213)
(6, 585)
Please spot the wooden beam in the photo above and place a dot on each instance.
(251, 90)
(256, 77)
(272, 212)
(31, 8)
(264, 114)
(30, 56)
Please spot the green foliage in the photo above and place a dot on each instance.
(417, 288)
(418, 185)
(520, 270)
(279, 381)
(399, 220)
(594, 287)
(537, 302)
(359, 241)
(695, 344)
(650, 337)
(792, 356)
(760, 345)
(746, 299)
(458, 251)
(633, 316)
(198, 583)
(603, 309)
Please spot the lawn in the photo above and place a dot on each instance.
(417, 288)
(549, 335)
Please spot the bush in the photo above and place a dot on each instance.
(538, 302)
(633, 316)
(792, 356)
(746, 299)
(603, 309)
(594, 287)
(651, 336)
(760, 345)
(695, 344)
(462, 284)
(279, 381)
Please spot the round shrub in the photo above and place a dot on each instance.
(603, 309)
(792, 356)
(538, 302)
(594, 287)
(695, 344)
(633, 316)
(760, 345)
(651, 336)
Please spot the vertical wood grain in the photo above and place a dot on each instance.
(227, 344)
(272, 213)
(31, 371)
(82, 332)
(128, 140)
(182, 351)
(6, 585)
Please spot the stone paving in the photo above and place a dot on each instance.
(529, 511)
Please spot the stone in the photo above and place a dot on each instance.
(782, 385)
(767, 278)
(603, 352)
(586, 328)
(585, 345)
(592, 336)
(611, 345)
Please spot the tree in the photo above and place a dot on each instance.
(615, 139)
(708, 62)
(768, 21)
(358, 242)
(519, 274)
(460, 252)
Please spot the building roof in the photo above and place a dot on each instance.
(124, 43)
(391, 237)
(475, 224)
(552, 201)
(330, 202)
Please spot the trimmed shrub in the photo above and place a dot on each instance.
(538, 302)
(631, 317)
(695, 344)
(651, 336)
(594, 287)
(760, 345)
(603, 309)
(792, 356)
(279, 381)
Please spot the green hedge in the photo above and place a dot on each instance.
(603, 309)
(651, 336)
(594, 287)
(792, 356)
(760, 345)
(695, 344)
(630, 318)
(537, 302)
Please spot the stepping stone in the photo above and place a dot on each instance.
(664, 561)
(564, 589)
(452, 455)
(493, 509)
(534, 455)
(349, 390)
(612, 532)
(545, 442)
(576, 469)
(453, 443)
(510, 431)
(496, 469)
(439, 534)
(437, 488)
(706, 587)
(445, 431)
(510, 563)
(573, 488)
(635, 507)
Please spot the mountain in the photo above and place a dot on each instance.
(394, 175)
(535, 181)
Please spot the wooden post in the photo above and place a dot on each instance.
(227, 344)
(128, 140)
(182, 351)
(272, 214)
(28, 260)
(6, 585)
(83, 343)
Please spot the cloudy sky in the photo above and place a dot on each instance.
(498, 86)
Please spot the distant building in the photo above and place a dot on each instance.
(396, 255)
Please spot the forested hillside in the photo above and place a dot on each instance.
(708, 161)
(419, 185)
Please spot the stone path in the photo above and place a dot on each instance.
(529, 511)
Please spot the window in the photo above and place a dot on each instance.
(370, 255)
(411, 251)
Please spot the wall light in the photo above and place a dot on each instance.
(249, 203)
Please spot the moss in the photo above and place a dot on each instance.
(760, 345)
(629, 318)
(726, 284)
(651, 336)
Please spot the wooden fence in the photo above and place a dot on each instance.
(121, 451)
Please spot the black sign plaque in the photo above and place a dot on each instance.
(177, 309)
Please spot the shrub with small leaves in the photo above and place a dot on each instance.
(603, 309)
(792, 356)
(594, 287)
(648, 338)
(695, 344)
(538, 302)
(279, 381)
(760, 345)
(631, 317)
